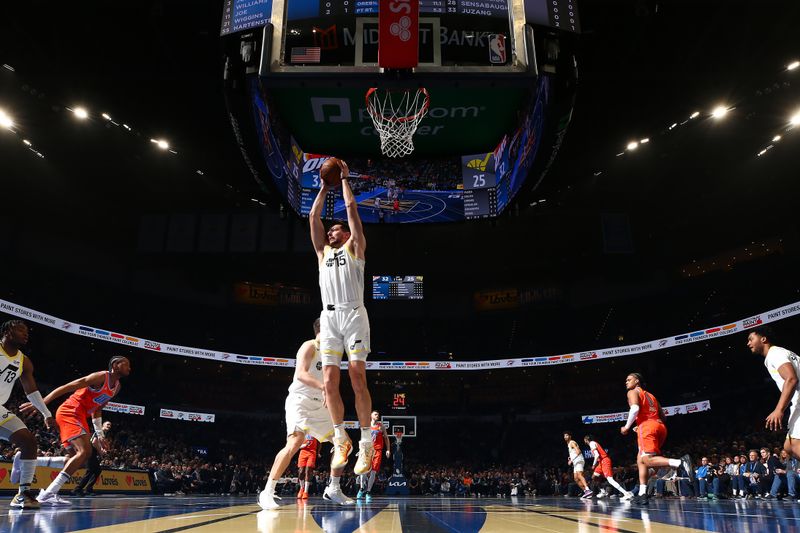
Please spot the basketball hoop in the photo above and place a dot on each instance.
(396, 113)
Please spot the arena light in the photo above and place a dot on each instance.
(719, 112)
(6, 121)
(161, 143)
(26, 142)
(791, 66)
(8, 67)
(80, 113)
(795, 119)
(776, 138)
(644, 141)
(695, 114)
(106, 116)
(633, 145)
(673, 126)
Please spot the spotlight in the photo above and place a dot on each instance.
(161, 143)
(80, 113)
(719, 112)
(795, 120)
(644, 141)
(6, 121)
(105, 116)
(695, 114)
(632, 145)
(776, 138)
(26, 142)
(793, 65)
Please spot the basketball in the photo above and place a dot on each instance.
(331, 172)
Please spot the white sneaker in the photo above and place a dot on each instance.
(626, 497)
(336, 496)
(16, 468)
(364, 461)
(267, 501)
(602, 493)
(48, 498)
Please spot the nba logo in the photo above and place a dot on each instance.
(497, 49)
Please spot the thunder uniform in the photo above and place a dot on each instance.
(308, 453)
(72, 414)
(305, 411)
(603, 465)
(777, 357)
(652, 432)
(377, 444)
(10, 371)
(344, 324)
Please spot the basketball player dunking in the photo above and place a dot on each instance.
(646, 412)
(578, 463)
(306, 414)
(344, 320)
(380, 442)
(15, 365)
(89, 395)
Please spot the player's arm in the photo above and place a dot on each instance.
(315, 221)
(304, 356)
(787, 372)
(357, 241)
(386, 445)
(35, 399)
(99, 430)
(633, 402)
(595, 453)
(94, 380)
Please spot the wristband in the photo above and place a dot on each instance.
(38, 402)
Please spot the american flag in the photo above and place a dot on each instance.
(305, 54)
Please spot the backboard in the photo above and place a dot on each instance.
(408, 423)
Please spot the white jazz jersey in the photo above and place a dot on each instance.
(341, 277)
(575, 453)
(10, 370)
(777, 357)
(315, 369)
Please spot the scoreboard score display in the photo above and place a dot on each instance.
(397, 288)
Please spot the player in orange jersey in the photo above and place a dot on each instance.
(602, 467)
(306, 461)
(89, 395)
(380, 442)
(646, 412)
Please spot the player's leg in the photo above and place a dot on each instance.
(266, 499)
(301, 470)
(307, 479)
(79, 448)
(792, 442)
(24, 469)
(331, 348)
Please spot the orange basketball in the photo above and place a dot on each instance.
(331, 172)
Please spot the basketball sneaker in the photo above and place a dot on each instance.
(341, 451)
(368, 497)
(49, 498)
(305, 495)
(587, 494)
(336, 496)
(16, 468)
(364, 461)
(300, 494)
(626, 497)
(602, 493)
(360, 495)
(642, 500)
(24, 500)
(267, 500)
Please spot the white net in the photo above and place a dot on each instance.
(396, 115)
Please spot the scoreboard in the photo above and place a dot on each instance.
(397, 288)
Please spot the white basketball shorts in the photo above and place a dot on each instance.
(309, 416)
(9, 423)
(344, 330)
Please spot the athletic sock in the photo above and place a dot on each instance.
(674, 463)
(27, 469)
(613, 483)
(335, 482)
(270, 488)
(366, 434)
(371, 480)
(58, 482)
(52, 462)
(642, 490)
(338, 431)
(306, 485)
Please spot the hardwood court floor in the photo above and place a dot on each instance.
(408, 515)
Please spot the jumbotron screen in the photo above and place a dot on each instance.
(397, 288)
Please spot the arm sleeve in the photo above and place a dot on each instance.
(38, 402)
(632, 416)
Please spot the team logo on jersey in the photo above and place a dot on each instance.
(337, 259)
